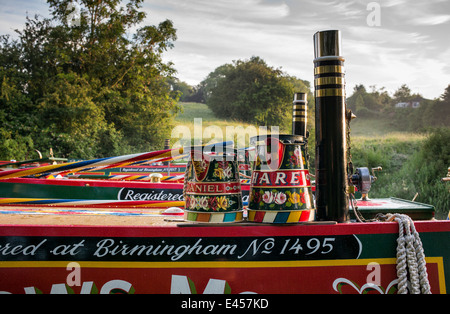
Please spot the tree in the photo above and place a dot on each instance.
(102, 76)
(186, 92)
(365, 104)
(72, 116)
(183, 89)
(213, 79)
(440, 110)
(252, 91)
(402, 94)
(446, 95)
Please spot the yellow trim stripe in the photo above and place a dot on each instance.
(333, 92)
(294, 216)
(216, 264)
(329, 69)
(299, 107)
(335, 80)
(20, 200)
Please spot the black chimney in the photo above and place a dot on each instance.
(331, 146)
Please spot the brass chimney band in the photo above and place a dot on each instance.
(329, 69)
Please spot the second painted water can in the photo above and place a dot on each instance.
(280, 190)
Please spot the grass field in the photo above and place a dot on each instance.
(368, 129)
(197, 121)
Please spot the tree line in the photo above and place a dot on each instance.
(88, 88)
(377, 103)
(237, 91)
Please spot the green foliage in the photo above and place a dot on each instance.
(410, 165)
(253, 92)
(14, 147)
(187, 92)
(378, 104)
(365, 104)
(89, 89)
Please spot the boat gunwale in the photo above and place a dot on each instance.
(231, 230)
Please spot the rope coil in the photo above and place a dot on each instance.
(410, 256)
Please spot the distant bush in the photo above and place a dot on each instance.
(409, 167)
(378, 103)
(253, 92)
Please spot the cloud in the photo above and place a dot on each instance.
(236, 10)
(410, 46)
(431, 20)
(214, 33)
(13, 14)
(417, 12)
(391, 55)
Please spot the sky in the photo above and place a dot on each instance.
(385, 43)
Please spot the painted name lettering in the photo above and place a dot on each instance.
(138, 195)
(111, 247)
(214, 188)
(9, 249)
(168, 249)
(281, 178)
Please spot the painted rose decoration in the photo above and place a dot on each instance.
(279, 200)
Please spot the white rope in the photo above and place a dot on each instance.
(410, 257)
(410, 254)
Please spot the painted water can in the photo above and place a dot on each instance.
(212, 188)
(280, 190)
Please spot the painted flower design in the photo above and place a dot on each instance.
(193, 203)
(227, 172)
(218, 173)
(223, 164)
(222, 202)
(295, 158)
(255, 197)
(203, 202)
(187, 202)
(212, 203)
(280, 198)
(268, 197)
(209, 203)
(302, 198)
(294, 161)
(294, 198)
(200, 167)
(223, 170)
